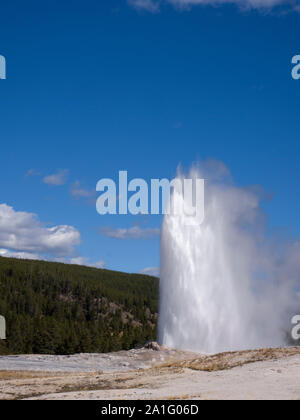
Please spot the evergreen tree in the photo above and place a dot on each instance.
(53, 308)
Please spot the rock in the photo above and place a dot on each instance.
(152, 345)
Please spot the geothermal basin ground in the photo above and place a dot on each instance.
(161, 374)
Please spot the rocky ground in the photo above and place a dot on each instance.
(153, 373)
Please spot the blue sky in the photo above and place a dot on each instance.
(96, 87)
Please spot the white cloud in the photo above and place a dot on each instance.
(254, 4)
(23, 236)
(132, 233)
(148, 5)
(151, 271)
(31, 256)
(154, 5)
(22, 255)
(23, 232)
(59, 178)
(78, 192)
(99, 264)
(86, 262)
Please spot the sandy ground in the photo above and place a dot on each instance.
(147, 374)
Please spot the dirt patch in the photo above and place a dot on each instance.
(225, 361)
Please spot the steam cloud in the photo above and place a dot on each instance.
(227, 284)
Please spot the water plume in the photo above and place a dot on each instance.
(226, 284)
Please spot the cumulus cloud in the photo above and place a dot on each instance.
(151, 271)
(23, 232)
(154, 5)
(23, 236)
(134, 232)
(57, 179)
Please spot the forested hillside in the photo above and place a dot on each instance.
(56, 308)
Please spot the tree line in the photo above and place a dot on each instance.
(54, 308)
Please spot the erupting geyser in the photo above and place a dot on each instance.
(226, 284)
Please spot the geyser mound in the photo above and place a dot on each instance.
(226, 284)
